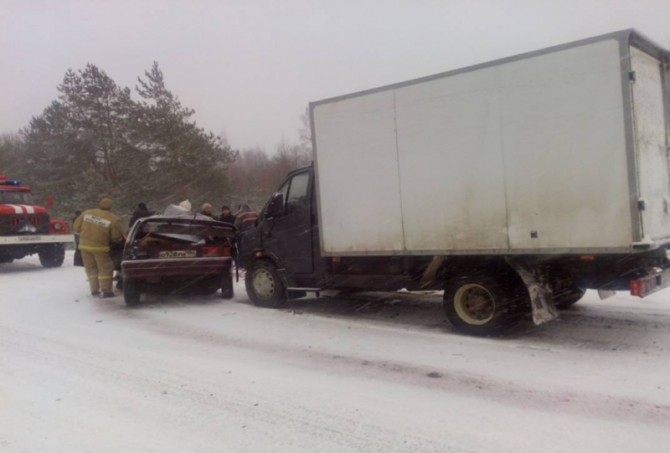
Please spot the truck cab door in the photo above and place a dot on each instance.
(288, 234)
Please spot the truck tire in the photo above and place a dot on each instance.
(479, 305)
(568, 297)
(52, 255)
(132, 290)
(264, 286)
(227, 291)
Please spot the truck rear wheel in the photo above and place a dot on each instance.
(479, 305)
(568, 297)
(264, 286)
(52, 255)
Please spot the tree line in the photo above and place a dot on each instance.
(99, 139)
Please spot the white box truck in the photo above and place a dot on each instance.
(513, 185)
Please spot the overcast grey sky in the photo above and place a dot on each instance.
(250, 67)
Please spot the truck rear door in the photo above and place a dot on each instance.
(650, 118)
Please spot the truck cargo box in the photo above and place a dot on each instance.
(562, 150)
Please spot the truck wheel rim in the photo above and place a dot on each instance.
(474, 304)
(264, 284)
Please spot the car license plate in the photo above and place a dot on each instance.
(177, 254)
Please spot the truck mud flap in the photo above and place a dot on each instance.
(541, 298)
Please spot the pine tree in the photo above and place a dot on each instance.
(182, 155)
(87, 130)
(94, 140)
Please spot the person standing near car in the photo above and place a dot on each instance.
(206, 209)
(77, 253)
(98, 229)
(226, 215)
(245, 217)
(141, 212)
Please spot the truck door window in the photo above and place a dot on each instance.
(297, 194)
(284, 191)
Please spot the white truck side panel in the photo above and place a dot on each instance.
(563, 135)
(358, 175)
(525, 155)
(452, 178)
(650, 145)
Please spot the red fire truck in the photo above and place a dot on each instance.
(26, 229)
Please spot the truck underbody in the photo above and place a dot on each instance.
(482, 294)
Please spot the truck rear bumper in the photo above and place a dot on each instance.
(644, 286)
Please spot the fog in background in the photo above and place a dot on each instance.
(250, 67)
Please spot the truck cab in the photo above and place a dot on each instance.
(282, 252)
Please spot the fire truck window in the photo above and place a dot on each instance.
(16, 198)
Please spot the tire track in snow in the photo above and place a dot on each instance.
(567, 400)
(115, 375)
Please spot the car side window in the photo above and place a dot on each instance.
(297, 194)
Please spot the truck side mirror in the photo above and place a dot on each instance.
(276, 206)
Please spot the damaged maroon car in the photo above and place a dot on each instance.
(191, 254)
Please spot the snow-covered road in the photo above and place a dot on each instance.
(375, 373)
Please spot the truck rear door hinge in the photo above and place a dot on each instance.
(632, 76)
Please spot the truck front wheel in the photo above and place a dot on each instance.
(264, 286)
(479, 305)
(52, 255)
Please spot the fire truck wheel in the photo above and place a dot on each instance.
(52, 256)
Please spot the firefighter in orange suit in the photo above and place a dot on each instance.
(98, 229)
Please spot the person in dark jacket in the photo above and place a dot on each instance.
(141, 212)
(226, 215)
(246, 218)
